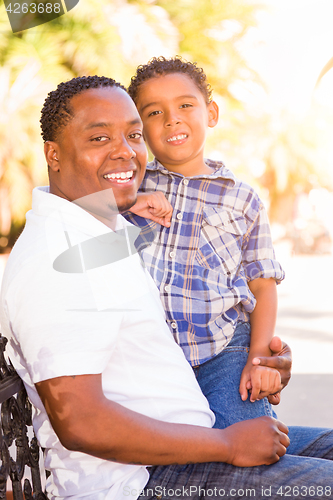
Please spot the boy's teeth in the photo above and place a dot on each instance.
(121, 176)
(177, 137)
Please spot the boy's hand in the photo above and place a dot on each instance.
(153, 206)
(261, 381)
(281, 360)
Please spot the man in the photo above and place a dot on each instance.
(112, 391)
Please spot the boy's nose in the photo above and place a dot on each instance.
(122, 150)
(171, 119)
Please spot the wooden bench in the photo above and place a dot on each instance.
(16, 412)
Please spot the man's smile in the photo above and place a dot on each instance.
(119, 177)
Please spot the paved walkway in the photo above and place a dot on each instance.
(305, 322)
(305, 317)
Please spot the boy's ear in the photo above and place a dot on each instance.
(51, 155)
(213, 114)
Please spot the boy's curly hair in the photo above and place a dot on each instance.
(57, 110)
(159, 66)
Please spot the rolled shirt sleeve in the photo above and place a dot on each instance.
(259, 259)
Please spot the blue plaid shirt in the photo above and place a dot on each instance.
(219, 240)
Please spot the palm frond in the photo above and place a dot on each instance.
(326, 68)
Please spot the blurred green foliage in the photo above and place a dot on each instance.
(112, 37)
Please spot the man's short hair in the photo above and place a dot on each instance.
(57, 110)
(160, 66)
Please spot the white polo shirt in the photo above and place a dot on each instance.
(107, 320)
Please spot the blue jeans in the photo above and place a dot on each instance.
(305, 472)
(293, 477)
(219, 381)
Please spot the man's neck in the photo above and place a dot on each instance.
(100, 205)
(110, 222)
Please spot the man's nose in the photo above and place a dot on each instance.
(122, 150)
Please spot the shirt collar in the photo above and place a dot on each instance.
(221, 172)
(49, 205)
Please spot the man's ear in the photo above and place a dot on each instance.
(213, 114)
(51, 155)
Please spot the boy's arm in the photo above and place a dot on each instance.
(86, 421)
(263, 318)
(153, 206)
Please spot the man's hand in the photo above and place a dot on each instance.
(260, 441)
(153, 206)
(281, 359)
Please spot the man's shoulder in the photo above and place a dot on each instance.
(26, 258)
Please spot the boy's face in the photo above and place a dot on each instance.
(100, 148)
(175, 120)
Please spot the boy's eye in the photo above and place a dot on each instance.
(154, 113)
(136, 135)
(187, 105)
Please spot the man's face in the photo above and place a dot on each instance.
(100, 148)
(175, 120)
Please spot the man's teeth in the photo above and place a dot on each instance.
(120, 176)
(177, 137)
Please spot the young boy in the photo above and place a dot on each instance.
(215, 264)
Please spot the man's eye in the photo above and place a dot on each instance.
(136, 135)
(154, 113)
(100, 139)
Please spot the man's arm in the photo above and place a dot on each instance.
(86, 421)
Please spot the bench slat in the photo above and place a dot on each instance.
(15, 421)
(10, 386)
